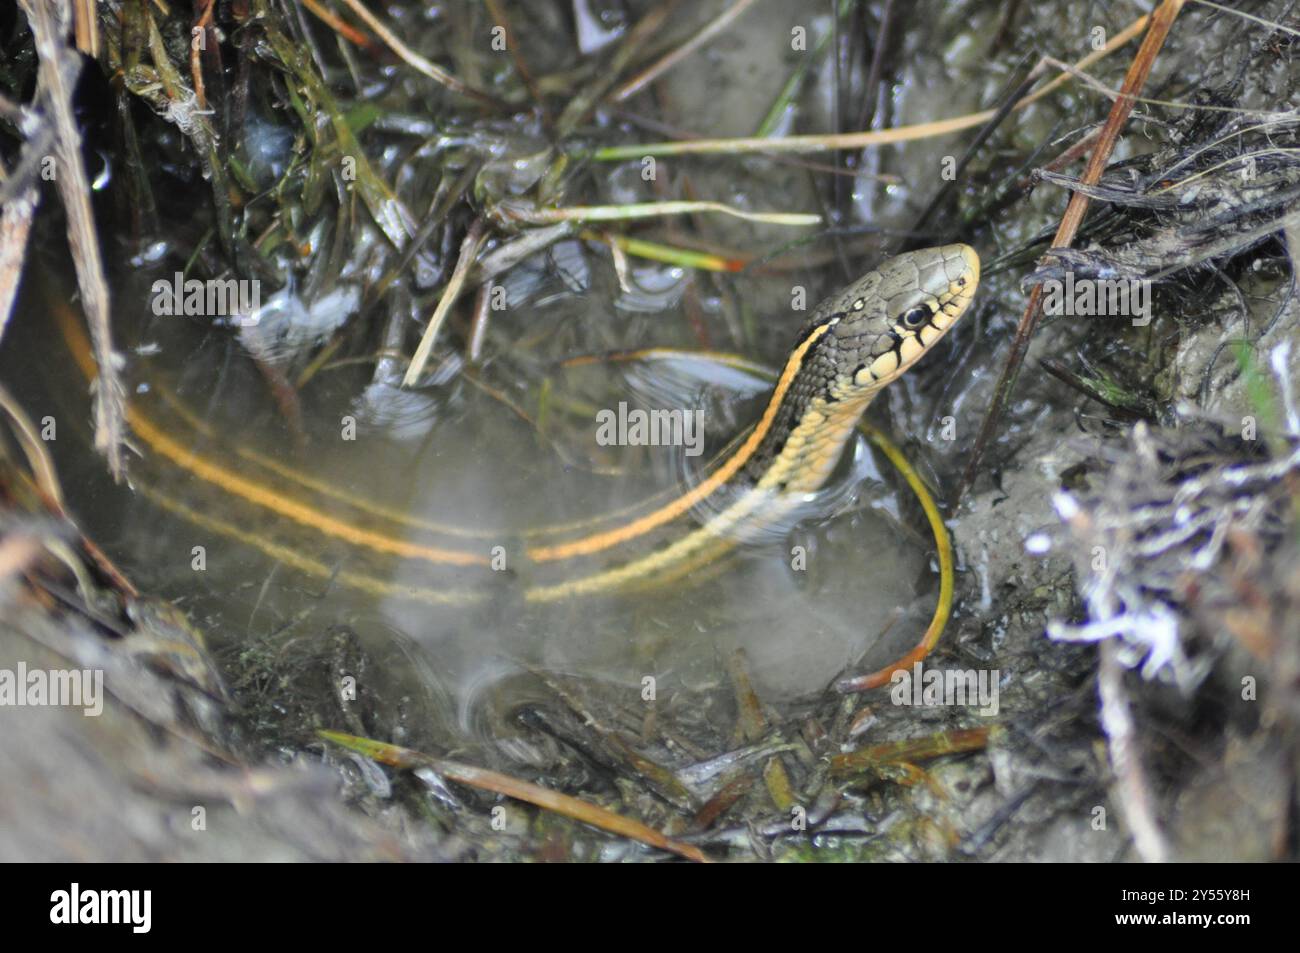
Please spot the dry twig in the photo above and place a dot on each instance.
(58, 72)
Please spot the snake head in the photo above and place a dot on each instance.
(854, 344)
(882, 323)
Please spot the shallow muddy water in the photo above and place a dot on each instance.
(216, 521)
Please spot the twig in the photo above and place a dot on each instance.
(1125, 759)
(341, 27)
(1161, 22)
(58, 71)
(204, 23)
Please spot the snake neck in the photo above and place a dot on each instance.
(814, 417)
(799, 456)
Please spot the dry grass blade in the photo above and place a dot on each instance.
(58, 72)
(858, 140)
(1161, 22)
(34, 448)
(675, 56)
(519, 212)
(1271, 24)
(344, 29)
(809, 143)
(415, 60)
(498, 783)
(571, 807)
(468, 252)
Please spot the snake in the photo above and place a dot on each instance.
(853, 345)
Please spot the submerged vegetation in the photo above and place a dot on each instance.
(447, 198)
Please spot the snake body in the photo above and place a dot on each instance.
(853, 345)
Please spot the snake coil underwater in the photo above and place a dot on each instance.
(645, 431)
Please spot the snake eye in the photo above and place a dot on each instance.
(916, 316)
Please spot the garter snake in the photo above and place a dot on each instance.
(854, 344)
